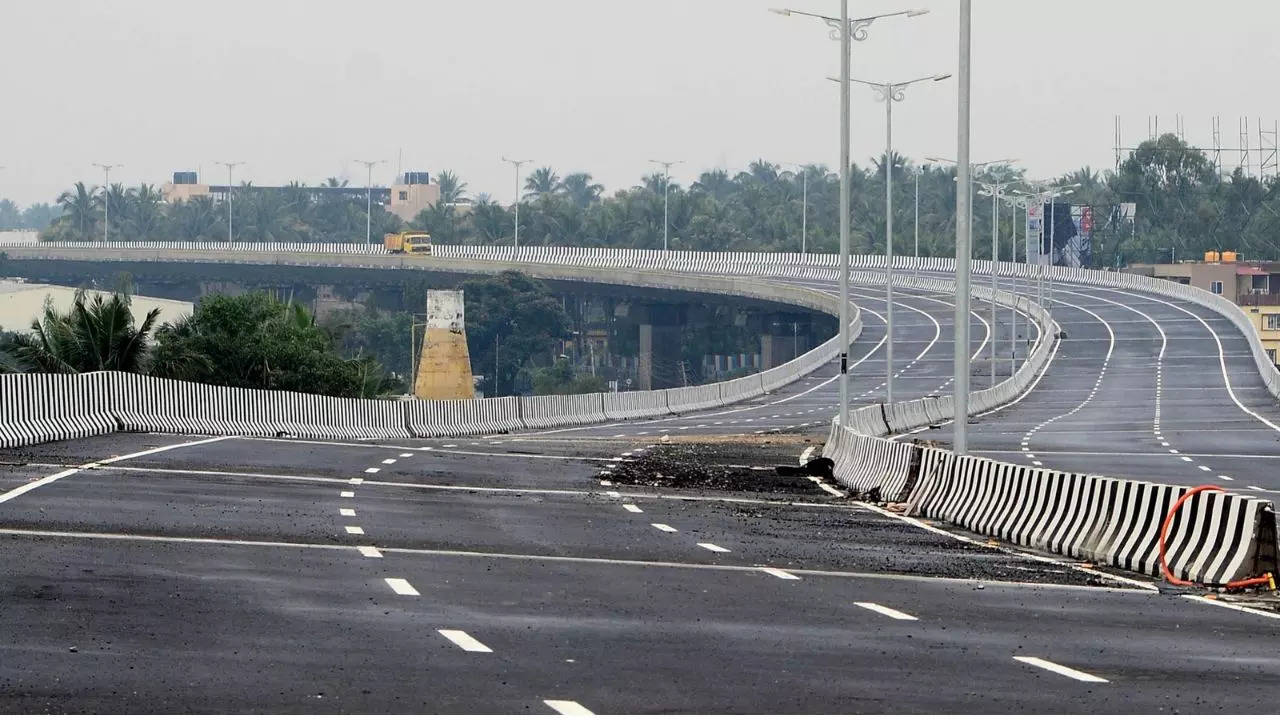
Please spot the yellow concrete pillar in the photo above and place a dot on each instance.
(444, 366)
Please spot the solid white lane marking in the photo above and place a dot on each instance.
(886, 611)
(567, 707)
(780, 573)
(632, 508)
(712, 547)
(369, 551)
(1060, 669)
(24, 489)
(371, 470)
(355, 530)
(465, 641)
(347, 512)
(664, 528)
(347, 494)
(401, 586)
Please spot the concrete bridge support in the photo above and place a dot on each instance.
(659, 357)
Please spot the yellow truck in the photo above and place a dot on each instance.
(412, 243)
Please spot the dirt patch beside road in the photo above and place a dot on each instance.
(724, 466)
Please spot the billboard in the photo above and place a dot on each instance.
(1065, 233)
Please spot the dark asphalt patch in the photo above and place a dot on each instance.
(721, 467)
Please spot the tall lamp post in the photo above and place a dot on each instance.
(960, 428)
(368, 198)
(666, 192)
(846, 30)
(1016, 201)
(804, 207)
(1046, 191)
(890, 93)
(106, 196)
(994, 189)
(230, 187)
(515, 164)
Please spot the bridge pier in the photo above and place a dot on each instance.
(659, 357)
(783, 337)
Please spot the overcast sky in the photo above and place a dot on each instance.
(300, 90)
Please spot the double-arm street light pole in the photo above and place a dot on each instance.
(515, 164)
(230, 188)
(845, 30)
(368, 198)
(994, 189)
(666, 185)
(106, 196)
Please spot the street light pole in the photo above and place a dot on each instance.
(804, 210)
(960, 439)
(666, 190)
(368, 198)
(515, 164)
(230, 187)
(845, 30)
(994, 189)
(917, 270)
(106, 196)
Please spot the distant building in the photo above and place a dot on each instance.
(406, 199)
(1253, 285)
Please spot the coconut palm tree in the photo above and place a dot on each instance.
(542, 181)
(581, 191)
(95, 334)
(452, 189)
(144, 214)
(80, 210)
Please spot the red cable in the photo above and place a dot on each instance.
(1264, 579)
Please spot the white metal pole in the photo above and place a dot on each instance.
(844, 211)
(917, 270)
(229, 186)
(666, 192)
(995, 257)
(804, 211)
(963, 211)
(1053, 217)
(888, 248)
(1013, 312)
(368, 206)
(106, 202)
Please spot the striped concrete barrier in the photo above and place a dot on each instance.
(868, 464)
(540, 411)
(449, 418)
(43, 408)
(696, 397)
(142, 403)
(635, 404)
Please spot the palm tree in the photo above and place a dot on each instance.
(452, 189)
(542, 181)
(144, 214)
(581, 191)
(80, 208)
(197, 219)
(715, 183)
(333, 182)
(490, 221)
(95, 334)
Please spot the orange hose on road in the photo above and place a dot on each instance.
(1264, 579)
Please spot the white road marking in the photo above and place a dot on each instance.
(605, 483)
(346, 512)
(1255, 487)
(465, 641)
(371, 471)
(886, 611)
(449, 445)
(567, 707)
(24, 489)
(1060, 669)
(406, 455)
(347, 494)
(355, 481)
(1205, 468)
(1226, 478)
(780, 573)
(389, 461)
(712, 547)
(613, 493)
(664, 527)
(369, 551)
(808, 452)
(401, 586)
(632, 508)
(355, 530)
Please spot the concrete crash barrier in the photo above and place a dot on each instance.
(635, 404)
(870, 465)
(446, 418)
(47, 407)
(696, 397)
(1215, 538)
(540, 411)
(141, 403)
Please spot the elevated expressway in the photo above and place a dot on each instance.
(222, 574)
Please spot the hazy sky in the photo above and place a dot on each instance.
(300, 90)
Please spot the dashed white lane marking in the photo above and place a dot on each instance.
(1225, 478)
(371, 471)
(347, 494)
(567, 707)
(450, 445)
(613, 493)
(1164, 444)
(1186, 459)
(1037, 463)
(620, 435)
(606, 483)
(886, 611)
(465, 641)
(1255, 487)
(1060, 669)
(346, 512)
(389, 461)
(1205, 468)
(780, 573)
(401, 586)
(632, 508)
(355, 530)
(406, 455)
(664, 527)
(712, 547)
(24, 489)
(369, 551)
